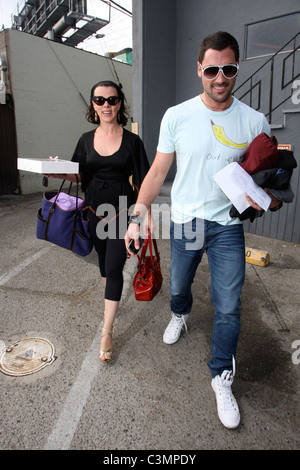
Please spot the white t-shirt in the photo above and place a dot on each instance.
(204, 142)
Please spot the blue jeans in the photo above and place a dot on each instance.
(225, 247)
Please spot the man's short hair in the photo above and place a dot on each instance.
(219, 41)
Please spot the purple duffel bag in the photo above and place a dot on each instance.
(61, 221)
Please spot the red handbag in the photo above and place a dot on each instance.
(148, 279)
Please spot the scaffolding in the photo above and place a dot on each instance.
(63, 21)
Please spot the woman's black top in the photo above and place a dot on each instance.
(106, 178)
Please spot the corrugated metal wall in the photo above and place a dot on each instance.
(285, 223)
(282, 225)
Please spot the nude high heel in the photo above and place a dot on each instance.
(105, 355)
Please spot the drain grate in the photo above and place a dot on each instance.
(26, 356)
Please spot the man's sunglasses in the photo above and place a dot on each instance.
(100, 100)
(211, 72)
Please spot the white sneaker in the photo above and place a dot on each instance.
(173, 330)
(228, 409)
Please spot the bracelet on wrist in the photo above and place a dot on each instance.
(135, 219)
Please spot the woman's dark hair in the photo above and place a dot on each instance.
(218, 41)
(123, 114)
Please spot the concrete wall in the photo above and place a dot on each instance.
(201, 18)
(51, 86)
(154, 64)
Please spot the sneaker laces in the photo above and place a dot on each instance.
(177, 322)
(225, 382)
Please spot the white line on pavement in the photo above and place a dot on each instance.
(66, 426)
(17, 269)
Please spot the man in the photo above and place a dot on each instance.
(206, 133)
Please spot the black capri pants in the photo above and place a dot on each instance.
(112, 255)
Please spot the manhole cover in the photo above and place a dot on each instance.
(26, 356)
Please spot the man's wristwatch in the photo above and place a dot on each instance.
(135, 219)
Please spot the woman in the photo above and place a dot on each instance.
(108, 156)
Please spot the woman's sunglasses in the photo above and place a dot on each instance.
(100, 100)
(211, 72)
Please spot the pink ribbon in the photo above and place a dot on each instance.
(55, 158)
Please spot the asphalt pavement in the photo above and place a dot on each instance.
(151, 397)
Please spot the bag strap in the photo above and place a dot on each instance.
(153, 240)
(51, 210)
(144, 249)
(75, 216)
(148, 242)
(69, 190)
(155, 248)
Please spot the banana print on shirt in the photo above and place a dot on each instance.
(221, 137)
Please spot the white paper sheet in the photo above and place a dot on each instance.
(236, 183)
